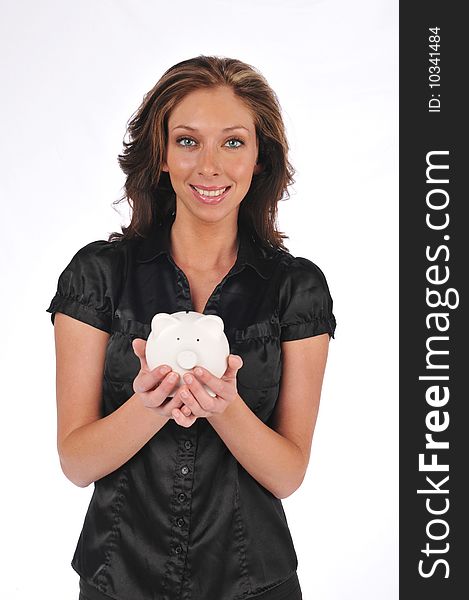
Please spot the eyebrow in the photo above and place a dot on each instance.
(225, 129)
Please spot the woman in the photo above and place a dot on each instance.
(187, 498)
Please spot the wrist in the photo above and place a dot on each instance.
(150, 414)
(230, 409)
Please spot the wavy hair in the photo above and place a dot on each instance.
(148, 189)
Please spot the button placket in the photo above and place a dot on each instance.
(180, 513)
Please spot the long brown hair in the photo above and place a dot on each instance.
(148, 189)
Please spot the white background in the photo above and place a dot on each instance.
(72, 74)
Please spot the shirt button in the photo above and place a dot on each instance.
(187, 445)
(185, 470)
(180, 522)
(178, 549)
(181, 497)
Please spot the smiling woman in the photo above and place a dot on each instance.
(188, 488)
(214, 167)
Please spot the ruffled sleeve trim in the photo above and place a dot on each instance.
(299, 331)
(73, 308)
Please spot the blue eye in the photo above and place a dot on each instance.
(181, 139)
(188, 142)
(239, 142)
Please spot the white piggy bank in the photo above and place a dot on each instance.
(187, 339)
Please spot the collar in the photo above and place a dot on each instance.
(249, 252)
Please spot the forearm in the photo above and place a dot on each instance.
(99, 448)
(273, 460)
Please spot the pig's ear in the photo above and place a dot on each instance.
(211, 323)
(161, 321)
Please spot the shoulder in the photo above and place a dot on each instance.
(100, 260)
(298, 273)
(100, 264)
(305, 301)
(100, 251)
(300, 269)
(89, 286)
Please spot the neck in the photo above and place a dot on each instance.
(201, 245)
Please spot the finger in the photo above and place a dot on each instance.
(189, 401)
(158, 396)
(181, 419)
(198, 399)
(235, 362)
(148, 380)
(176, 402)
(185, 410)
(216, 385)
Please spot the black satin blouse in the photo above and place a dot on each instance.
(182, 519)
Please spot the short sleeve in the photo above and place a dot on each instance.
(86, 288)
(305, 306)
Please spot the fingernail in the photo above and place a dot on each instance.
(198, 371)
(172, 377)
(165, 370)
(188, 378)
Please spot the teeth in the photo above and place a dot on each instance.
(210, 193)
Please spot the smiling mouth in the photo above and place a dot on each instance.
(210, 193)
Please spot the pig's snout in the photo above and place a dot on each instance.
(187, 359)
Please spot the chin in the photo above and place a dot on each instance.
(211, 214)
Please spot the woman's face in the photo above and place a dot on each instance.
(211, 153)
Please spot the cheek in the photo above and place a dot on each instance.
(179, 165)
(242, 171)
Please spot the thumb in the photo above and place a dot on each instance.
(139, 346)
(235, 363)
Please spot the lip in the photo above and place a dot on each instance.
(209, 188)
(213, 200)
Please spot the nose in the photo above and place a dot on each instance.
(209, 163)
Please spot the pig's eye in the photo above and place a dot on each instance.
(178, 338)
(198, 340)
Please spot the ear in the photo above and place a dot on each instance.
(257, 168)
(211, 323)
(162, 321)
(164, 167)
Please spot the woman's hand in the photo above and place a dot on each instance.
(154, 386)
(195, 397)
